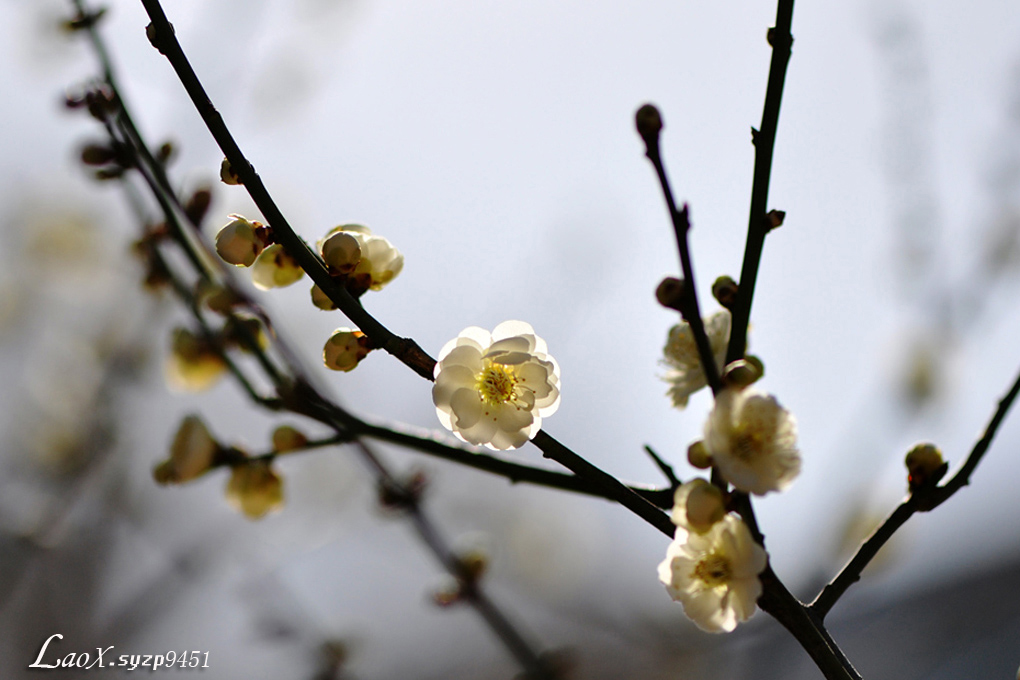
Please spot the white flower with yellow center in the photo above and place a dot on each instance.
(752, 441)
(714, 575)
(495, 388)
(680, 354)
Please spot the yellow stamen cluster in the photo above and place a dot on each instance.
(713, 570)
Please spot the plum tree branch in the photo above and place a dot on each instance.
(922, 500)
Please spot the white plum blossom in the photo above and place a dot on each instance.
(714, 575)
(495, 388)
(686, 375)
(752, 441)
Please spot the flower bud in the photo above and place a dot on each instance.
(670, 293)
(775, 218)
(194, 363)
(191, 454)
(698, 505)
(341, 252)
(287, 438)
(649, 122)
(240, 242)
(740, 374)
(198, 205)
(698, 455)
(924, 466)
(255, 489)
(725, 291)
(345, 349)
(227, 174)
(274, 268)
(246, 333)
(321, 300)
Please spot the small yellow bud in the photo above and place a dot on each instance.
(286, 438)
(740, 373)
(341, 252)
(227, 175)
(924, 465)
(320, 300)
(194, 363)
(345, 349)
(274, 268)
(191, 454)
(240, 242)
(255, 489)
(698, 505)
(698, 456)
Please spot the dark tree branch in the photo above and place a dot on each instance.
(688, 303)
(764, 140)
(924, 499)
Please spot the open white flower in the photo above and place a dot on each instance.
(753, 441)
(715, 575)
(686, 374)
(495, 388)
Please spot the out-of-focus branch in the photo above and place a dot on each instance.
(922, 500)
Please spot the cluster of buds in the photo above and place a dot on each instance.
(254, 488)
(358, 259)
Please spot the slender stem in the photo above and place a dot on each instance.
(806, 628)
(764, 142)
(515, 472)
(690, 307)
(612, 487)
(404, 349)
(923, 500)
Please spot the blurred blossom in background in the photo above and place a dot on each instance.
(493, 144)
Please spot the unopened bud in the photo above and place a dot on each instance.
(341, 252)
(698, 455)
(345, 349)
(255, 489)
(274, 268)
(670, 293)
(165, 152)
(448, 594)
(198, 205)
(775, 218)
(97, 154)
(287, 438)
(191, 454)
(725, 291)
(321, 300)
(649, 123)
(925, 466)
(239, 242)
(227, 174)
(698, 505)
(740, 373)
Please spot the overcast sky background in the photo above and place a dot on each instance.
(493, 144)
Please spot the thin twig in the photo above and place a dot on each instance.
(923, 500)
(690, 308)
(764, 140)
